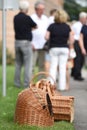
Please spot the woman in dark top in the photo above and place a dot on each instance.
(59, 34)
(83, 40)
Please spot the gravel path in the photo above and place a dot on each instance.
(79, 91)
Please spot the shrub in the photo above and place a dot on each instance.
(73, 9)
(10, 59)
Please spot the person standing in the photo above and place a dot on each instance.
(23, 25)
(79, 59)
(47, 56)
(52, 14)
(83, 40)
(59, 33)
(38, 40)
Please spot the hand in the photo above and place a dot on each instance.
(33, 48)
(72, 54)
(84, 51)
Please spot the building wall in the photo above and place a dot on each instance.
(49, 4)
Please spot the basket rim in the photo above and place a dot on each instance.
(42, 73)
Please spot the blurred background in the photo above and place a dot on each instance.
(73, 7)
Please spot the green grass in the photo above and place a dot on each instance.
(7, 107)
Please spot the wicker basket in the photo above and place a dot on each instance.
(63, 106)
(45, 85)
(34, 108)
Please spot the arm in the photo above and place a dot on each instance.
(47, 36)
(81, 44)
(72, 53)
(33, 28)
(32, 23)
(71, 39)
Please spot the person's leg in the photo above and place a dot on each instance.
(53, 63)
(35, 56)
(78, 62)
(18, 66)
(73, 71)
(82, 63)
(27, 58)
(47, 61)
(41, 59)
(63, 57)
(67, 78)
(70, 64)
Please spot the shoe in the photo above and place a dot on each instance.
(26, 86)
(79, 78)
(17, 86)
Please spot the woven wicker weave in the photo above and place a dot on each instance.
(63, 106)
(45, 85)
(34, 108)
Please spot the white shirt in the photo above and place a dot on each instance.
(77, 29)
(38, 40)
(51, 20)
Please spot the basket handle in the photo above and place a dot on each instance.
(42, 73)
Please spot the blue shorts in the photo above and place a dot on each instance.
(47, 57)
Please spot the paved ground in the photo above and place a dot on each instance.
(79, 91)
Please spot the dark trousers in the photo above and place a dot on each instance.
(78, 61)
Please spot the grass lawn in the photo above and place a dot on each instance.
(7, 107)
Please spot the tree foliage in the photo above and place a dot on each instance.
(73, 9)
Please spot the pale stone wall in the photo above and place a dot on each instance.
(9, 26)
(49, 4)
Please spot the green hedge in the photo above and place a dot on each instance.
(10, 59)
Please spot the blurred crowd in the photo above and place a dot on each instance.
(54, 44)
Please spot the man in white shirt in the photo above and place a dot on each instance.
(39, 35)
(52, 15)
(79, 60)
